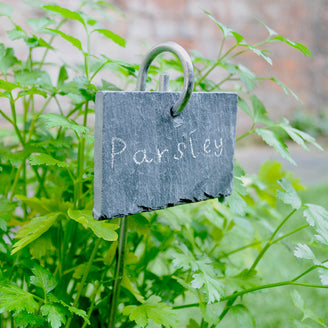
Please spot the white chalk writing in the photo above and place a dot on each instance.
(208, 147)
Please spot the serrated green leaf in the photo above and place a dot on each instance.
(72, 309)
(303, 251)
(33, 230)
(44, 279)
(41, 247)
(7, 208)
(73, 15)
(32, 91)
(236, 203)
(288, 195)
(299, 46)
(27, 77)
(298, 136)
(317, 217)
(17, 33)
(101, 229)
(112, 36)
(227, 31)
(269, 174)
(286, 89)
(39, 205)
(8, 86)
(62, 76)
(39, 24)
(274, 140)
(258, 52)
(270, 30)
(307, 313)
(13, 298)
(245, 107)
(54, 314)
(184, 259)
(212, 287)
(242, 316)
(73, 41)
(45, 159)
(127, 284)
(323, 274)
(25, 319)
(51, 120)
(5, 10)
(3, 225)
(259, 111)
(7, 58)
(154, 310)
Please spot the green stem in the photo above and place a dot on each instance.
(291, 233)
(254, 289)
(313, 267)
(251, 131)
(263, 241)
(93, 297)
(14, 120)
(36, 116)
(257, 260)
(247, 49)
(84, 277)
(13, 189)
(6, 117)
(221, 82)
(269, 243)
(227, 307)
(99, 69)
(119, 270)
(228, 52)
(221, 47)
(80, 158)
(207, 73)
(50, 42)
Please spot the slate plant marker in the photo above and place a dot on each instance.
(149, 155)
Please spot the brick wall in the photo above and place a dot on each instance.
(153, 21)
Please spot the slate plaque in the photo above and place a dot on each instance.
(145, 159)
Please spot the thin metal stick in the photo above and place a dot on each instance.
(118, 273)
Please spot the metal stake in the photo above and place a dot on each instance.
(119, 270)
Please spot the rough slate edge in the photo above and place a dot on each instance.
(98, 153)
(98, 156)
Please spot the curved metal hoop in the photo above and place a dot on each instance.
(188, 83)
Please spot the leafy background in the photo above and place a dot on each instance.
(257, 258)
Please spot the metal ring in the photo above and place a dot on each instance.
(188, 83)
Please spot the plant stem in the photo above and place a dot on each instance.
(251, 131)
(269, 243)
(93, 297)
(13, 189)
(119, 270)
(84, 277)
(207, 73)
(227, 308)
(221, 82)
(257, 260)
(80, 158)
(36, 116)
(254, 289)
(263, 241)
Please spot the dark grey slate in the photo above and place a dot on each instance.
(145, 159)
